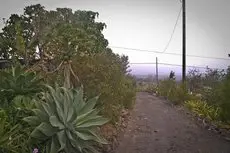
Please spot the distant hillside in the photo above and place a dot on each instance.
(139, 76)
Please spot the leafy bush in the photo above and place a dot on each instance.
(151, 88)
(64, 36)
(224, 101)
(142, 87)
(128, 92)
(17, 90)
(7, 133)
(66, 122)
(165, 87)
(202, 109)
(211, 95)
(213, 77)
(179, 94)
(176, 93)
(214, 87)
(105, 74)
(194, 80)
(13, 137)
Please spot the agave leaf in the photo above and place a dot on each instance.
(89, 115)
(71, 114)
(78, 99)
(48, 146)
(70, 148)
(85, 136)
(81, 117)
(90, 104)
(48, 109)
(55, 95)
(41, 114)
(17, 71)
(67, 101)
(32, 120)
(24, 102)
(30, 76)
(73, 141)
(48, 98)
(47, 129)
(56, 123)
(20, 80)
(54, 145)
(61, 114)
(62, 140)
(38, 134)
(38, 105)
(91, 135)
(99, 139)
(93, 122)
(91, 149)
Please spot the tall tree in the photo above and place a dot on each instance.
(39, 27)
(172, 75)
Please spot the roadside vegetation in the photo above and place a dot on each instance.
(60, 83)
(205, 94)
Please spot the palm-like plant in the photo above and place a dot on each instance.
(66, 122)
(17, 81)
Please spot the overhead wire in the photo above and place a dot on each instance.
(173, 32)
(168, 64)
(176, 54)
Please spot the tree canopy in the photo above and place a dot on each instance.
(47, 31)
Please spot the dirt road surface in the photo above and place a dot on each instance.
(157, 127)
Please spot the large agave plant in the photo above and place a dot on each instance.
(66, 122)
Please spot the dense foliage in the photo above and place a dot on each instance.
(208, 97)
(205, 94)
(16, 81)
(67, 50)
(203, 110)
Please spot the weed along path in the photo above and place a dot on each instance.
(157, 127)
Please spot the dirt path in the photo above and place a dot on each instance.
(156, 127)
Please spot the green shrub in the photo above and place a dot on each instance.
(128, 92)
(224, 101)
(66, 122)
(179, 94)
(103, 73)
(142, 87)
(212, 95)
(165, 87)
(7, 133)
(18, 88)
(203, 109)
(13, 137)
(20, 107)
(151, 88)
(176, 93)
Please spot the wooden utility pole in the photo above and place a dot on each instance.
(157, 71)
(184, 41)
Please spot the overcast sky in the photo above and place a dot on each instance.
(148, 24)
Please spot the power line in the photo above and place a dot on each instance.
(176, 54)
(148, 63)
(184, 40)
(174, 29)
